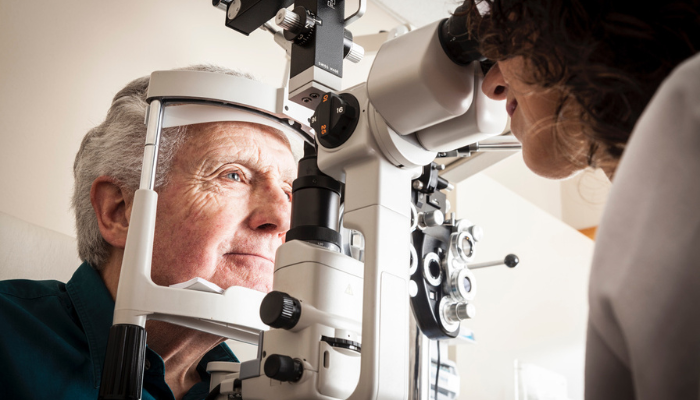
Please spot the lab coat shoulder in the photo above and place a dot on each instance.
(645, 279)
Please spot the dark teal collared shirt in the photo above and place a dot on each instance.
(53, 339)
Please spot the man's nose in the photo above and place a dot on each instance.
(271, 210)
(494, 85)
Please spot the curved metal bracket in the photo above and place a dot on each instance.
(362, 7)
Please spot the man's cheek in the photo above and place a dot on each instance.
(266, 283)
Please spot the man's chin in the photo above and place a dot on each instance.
(260, 285)
(252, 272)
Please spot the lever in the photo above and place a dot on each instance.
(496, 143)
(511, 261)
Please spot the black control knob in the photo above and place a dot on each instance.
(298, 25)
(280, 310)
(283, 368)
(511, 261)
(335, 119)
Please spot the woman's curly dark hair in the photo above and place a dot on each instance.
(610, 56)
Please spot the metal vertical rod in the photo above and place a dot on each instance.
(154, 123)
(419, 364)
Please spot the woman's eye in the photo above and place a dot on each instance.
(235, 176)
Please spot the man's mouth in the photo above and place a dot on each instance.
(511, 106)
(253, 255)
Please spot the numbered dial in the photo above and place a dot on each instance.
(335, 119)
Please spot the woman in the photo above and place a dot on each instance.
(616, 85)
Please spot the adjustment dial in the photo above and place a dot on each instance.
(283, 368)
(280, 310)
(335, 119)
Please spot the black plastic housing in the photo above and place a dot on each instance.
(122, 375)
(435, 239)
(324, 49)
(254, 13)
(315, 204)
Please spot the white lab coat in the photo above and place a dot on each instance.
(644, 322)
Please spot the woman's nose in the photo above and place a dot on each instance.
(494, 85)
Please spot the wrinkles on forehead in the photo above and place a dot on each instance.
(257, 147)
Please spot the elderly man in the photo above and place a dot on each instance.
(224, 205)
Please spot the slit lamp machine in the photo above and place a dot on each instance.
(374, 268)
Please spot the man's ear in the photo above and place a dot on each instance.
(113, 208)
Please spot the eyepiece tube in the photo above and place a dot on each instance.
(315, 204)
(456, 41)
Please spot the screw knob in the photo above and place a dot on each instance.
(477, 232)
(460, 311)
(431, 218)
(283, 368)
(355, 53)
(288, 20)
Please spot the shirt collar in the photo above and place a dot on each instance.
(95, 308)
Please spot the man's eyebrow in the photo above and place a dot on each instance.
(288, 175)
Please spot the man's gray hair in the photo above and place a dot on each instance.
(115, 149)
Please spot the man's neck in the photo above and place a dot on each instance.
(181, 350)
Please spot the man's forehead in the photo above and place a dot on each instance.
(242, 129)
(242, 142)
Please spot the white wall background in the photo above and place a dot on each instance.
(535, 313)
(577, 201)
(513, 174)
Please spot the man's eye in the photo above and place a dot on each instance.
(236, 176)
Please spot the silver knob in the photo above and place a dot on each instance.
(462, 285)
(431, 218)
(356, 53)
(221, 4)
(233, 9)
(288, 20)
(462, 246)
(476, 232)
(460, 311)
